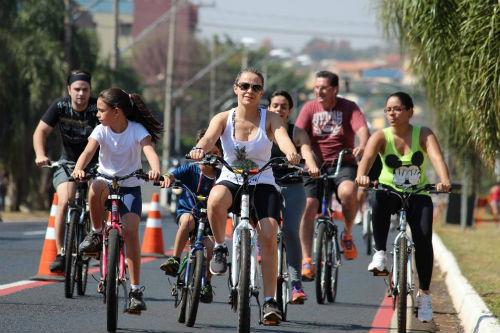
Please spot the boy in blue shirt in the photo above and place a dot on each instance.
(199, 179)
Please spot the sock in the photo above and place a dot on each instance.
(95, 231)
(219, 244)
(267, 299)
(297, 285)
(135, 286)
(177, 258)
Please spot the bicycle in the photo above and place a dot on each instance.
(283, 280)
(191, 276)
(113, 268)
(327, 253)
(77, 226)
(400, 281)
(244, 266)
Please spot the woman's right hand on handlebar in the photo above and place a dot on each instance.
(363, 181)
(42, 160)
(196, 153)
(78, 174)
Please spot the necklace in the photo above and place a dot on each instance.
(233, 120)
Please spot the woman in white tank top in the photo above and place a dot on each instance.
(246, 133)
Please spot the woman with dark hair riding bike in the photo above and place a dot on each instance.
(404, 150)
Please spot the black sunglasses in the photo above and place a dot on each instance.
(246, 86)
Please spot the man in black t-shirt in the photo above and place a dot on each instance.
(75, 117)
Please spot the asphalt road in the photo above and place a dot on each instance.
(40, 307)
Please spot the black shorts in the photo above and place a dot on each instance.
(314, 186)
(265, 200)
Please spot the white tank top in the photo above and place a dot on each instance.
(250, 154)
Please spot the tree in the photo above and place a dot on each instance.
(454, 46)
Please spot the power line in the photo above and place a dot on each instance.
(286, 31)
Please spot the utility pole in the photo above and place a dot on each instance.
(116, 31)
(168, 94)
(68, 33)
(211, 103)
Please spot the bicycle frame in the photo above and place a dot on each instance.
(114, 223)
(409, 265)
(244, 224)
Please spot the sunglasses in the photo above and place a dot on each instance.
(246, 86)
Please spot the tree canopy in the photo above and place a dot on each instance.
(454, 46)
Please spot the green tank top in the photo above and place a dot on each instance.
(399, 171)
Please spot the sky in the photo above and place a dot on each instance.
(287, 23)
(291, 23)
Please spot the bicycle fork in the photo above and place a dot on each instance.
(409, 264)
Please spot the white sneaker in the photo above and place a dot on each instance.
(424, 303)
(379, 262)
(359, 218)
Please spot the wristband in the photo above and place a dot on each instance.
(194, 148)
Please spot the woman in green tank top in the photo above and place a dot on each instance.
(404, 150)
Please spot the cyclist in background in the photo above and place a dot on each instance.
(75, 117)
(127, 127)
(331, 122)
(293, 193)
(200, 180)
(246, 133)
(404, 150)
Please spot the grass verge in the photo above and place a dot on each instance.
(477, 251)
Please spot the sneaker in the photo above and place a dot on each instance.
(92, 243)
(135, 302)
(378, 263)
(298, 295)
(424, 303)
(307, 270)
(348, 247)
(271, 313)
(57, 266)
(218, 264)
(207, 294)
(359, 217)
(170, 266)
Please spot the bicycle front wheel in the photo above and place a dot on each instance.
(244, 283)
(323, 268)
(333, 253)
(70, 255)
(402, 286)
(368, 235)
(112, 280)
(194, 288)
(282, 287)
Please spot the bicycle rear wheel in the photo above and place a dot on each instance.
(244, 283)
(194, 288)
(283, 286)
(112, 280)
(70, 255)
(334, 260)
(402, 286)
(83, 263)
(323, 268)
(368, 235)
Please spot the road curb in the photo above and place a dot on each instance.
(472, 311)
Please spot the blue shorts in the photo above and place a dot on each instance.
(131, 200)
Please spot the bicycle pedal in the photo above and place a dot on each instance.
(133, 312)
(380, 273)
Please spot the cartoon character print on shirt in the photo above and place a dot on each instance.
(242, 162)
(327, 123)
(405, 175)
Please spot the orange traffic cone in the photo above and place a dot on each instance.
(229, 228)
(49, 250)
(152, 244)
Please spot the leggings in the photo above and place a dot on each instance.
(419, 217)
(294, 201)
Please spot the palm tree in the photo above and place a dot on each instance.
(454, 46)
